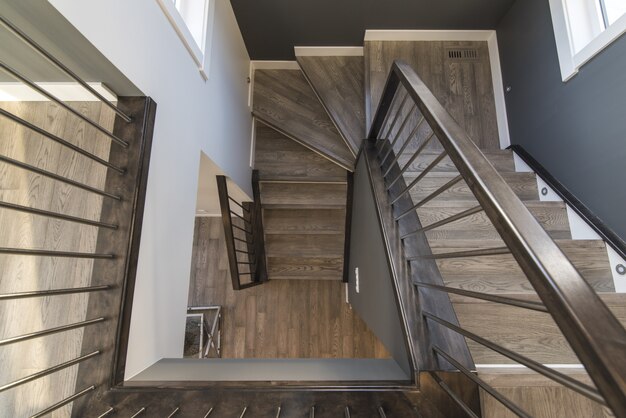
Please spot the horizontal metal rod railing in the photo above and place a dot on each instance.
(419, 177)
(57, 177)
(590, 328)
(241, 229)
(107, 412)
(443, 385)
(34, 45)
(430, 197)
(52, 292)
(445, 221)
(245, 408)
(49, 331)
(49, 253)
(61, 141)
(381, 412)
(411, 160)
(240, 217)
(238, 204)
(34, 86)
(64, 402)
(406, 143)
(488, 388)
(50, 214)
(346, 413)
(397, 135)
(558, 377)
(520, 303)
(174, 412)
(47, 371)
(278, 412)
(208, 413)
(397, 116)
(141, 411)
(483, 252)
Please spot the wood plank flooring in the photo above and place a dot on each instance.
(280, 319)
(284, 100)
(464, 86)
(339, 83)
(23, 273)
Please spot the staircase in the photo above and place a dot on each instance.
(307, 140)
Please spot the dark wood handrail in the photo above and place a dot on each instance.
(595, 335)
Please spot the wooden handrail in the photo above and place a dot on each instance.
(595, 335)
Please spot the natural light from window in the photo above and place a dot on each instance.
(583, 28)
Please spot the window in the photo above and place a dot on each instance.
(583, 28)
(191, 20)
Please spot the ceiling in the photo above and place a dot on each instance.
(271, 28)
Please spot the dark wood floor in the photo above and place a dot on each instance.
(463, 86)
(280, 319)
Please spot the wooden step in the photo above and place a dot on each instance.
(304, 221)
(523, 184)
(551, 215)
(304, 245)
(284, 100)
(540, 397)
(502, 160)
(535, 334)
(278, 157)
(501, 273)
(339, 84)
(303, 195)
(306, 268)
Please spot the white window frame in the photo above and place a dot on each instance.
(569, 60)
(201, 54)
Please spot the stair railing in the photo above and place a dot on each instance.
(243, 231)
(593, 332)
(110, 291)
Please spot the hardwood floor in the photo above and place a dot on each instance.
(279, 319)
(463, 86)
(284, 100)
(24, 273)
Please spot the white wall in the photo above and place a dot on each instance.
(192, 116)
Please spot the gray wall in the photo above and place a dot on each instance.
(577, 130)
(375, 302)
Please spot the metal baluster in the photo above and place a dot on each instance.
(397, 136)
(208, 412)
(174, 412)
(403, 147)
(63, 402)
(61, 141)
(57, 177)
(459, 254)
(47, 253)
(453, 395)
(312, 412)
(445, 221)
(245, 408)
(418, 178)
(431, 196)
(141, 411)
(55, 99)
(408, 164)
(395, 119)
(381, 412)
(278, 412)
(107, 412)
(48, 371)
(55, 330)
(238, 204)
(52, 292)
(41, 212)
(346, 412)
(34, 45)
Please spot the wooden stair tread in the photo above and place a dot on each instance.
(523, 184)
(278, 157)
(502, 160)
(304, 221)
(551, 215)
(312, 268)
(339, 84)
(304, 245)
(284, 100)
(501, 273)
(303, 195)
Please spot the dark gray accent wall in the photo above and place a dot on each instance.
(271, 28)
(376, 301)
(577, 129)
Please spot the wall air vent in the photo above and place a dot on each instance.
(463, 54)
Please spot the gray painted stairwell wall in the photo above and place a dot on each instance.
(577, 129)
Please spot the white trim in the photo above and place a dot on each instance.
(488, 36)
(520, 366)
(274, 65)
(252, 142)
(181, 29)
(428, 35)
(208, 215)
(328, 51)
(65, 91)
(569, 61)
